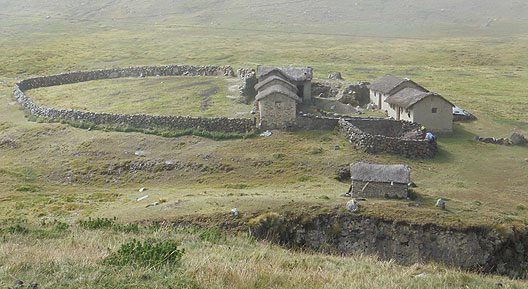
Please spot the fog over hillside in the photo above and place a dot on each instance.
(366, 18)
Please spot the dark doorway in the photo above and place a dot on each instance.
(300, 91)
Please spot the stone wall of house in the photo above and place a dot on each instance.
(277, 112)
(411, 146)
(139, 121)
(379, 190)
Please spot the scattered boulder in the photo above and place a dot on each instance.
(352, 206)
(518, 139)
(142, 198)
(266, 133)
(492, 140)
(440, 204)
(235, 213)
(335, 76)
(142, 190)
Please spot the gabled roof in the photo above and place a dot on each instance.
(280, 89)
(388, 84)
(275, 79)
(380, 173)
(408, 97)
(292, 73)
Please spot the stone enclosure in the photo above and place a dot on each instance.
(387, 135)
(373, 135)
(138, 121)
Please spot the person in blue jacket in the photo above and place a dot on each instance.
(430, 137)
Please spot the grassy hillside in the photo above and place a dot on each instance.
(54, 171)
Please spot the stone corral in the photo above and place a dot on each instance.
(140, 121)
(387, 135)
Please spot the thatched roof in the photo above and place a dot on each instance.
(292, 73)
(280, 89)
(274, 80)
(408, 97)
(389, 83)
(380, 173)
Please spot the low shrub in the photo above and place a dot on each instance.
(98, 223)
(149, 253)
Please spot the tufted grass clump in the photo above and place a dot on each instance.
(98, 223)
(149, 253)
(106, 223)
(213, 236)
(271, 226)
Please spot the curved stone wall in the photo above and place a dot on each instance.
(139, 121)
(387, 135)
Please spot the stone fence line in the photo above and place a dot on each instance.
(376, 143)
(139, 121)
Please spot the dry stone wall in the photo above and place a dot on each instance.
(379, 190)
(139, 121)
(387, 135)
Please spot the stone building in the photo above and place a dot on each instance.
(279, 90)
(380, 181)
(403, 99)
(427, 108)
(300, 77)
(276, 103)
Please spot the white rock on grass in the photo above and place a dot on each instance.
(440, 203)
(352, 206)
(235, 213)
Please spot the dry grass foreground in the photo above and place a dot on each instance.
(55, 255)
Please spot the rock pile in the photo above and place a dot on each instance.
(515, 139)
(247, 89)
(335, 76)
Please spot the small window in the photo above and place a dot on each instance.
(278, 103)
(434, 109)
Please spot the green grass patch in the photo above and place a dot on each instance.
(168, 95)
(26, 188)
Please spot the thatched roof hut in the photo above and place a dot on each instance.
(400, 174)
(388, 84)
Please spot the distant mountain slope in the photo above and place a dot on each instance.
(370, 18)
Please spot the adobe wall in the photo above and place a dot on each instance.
(140, 121)
(366, 134)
